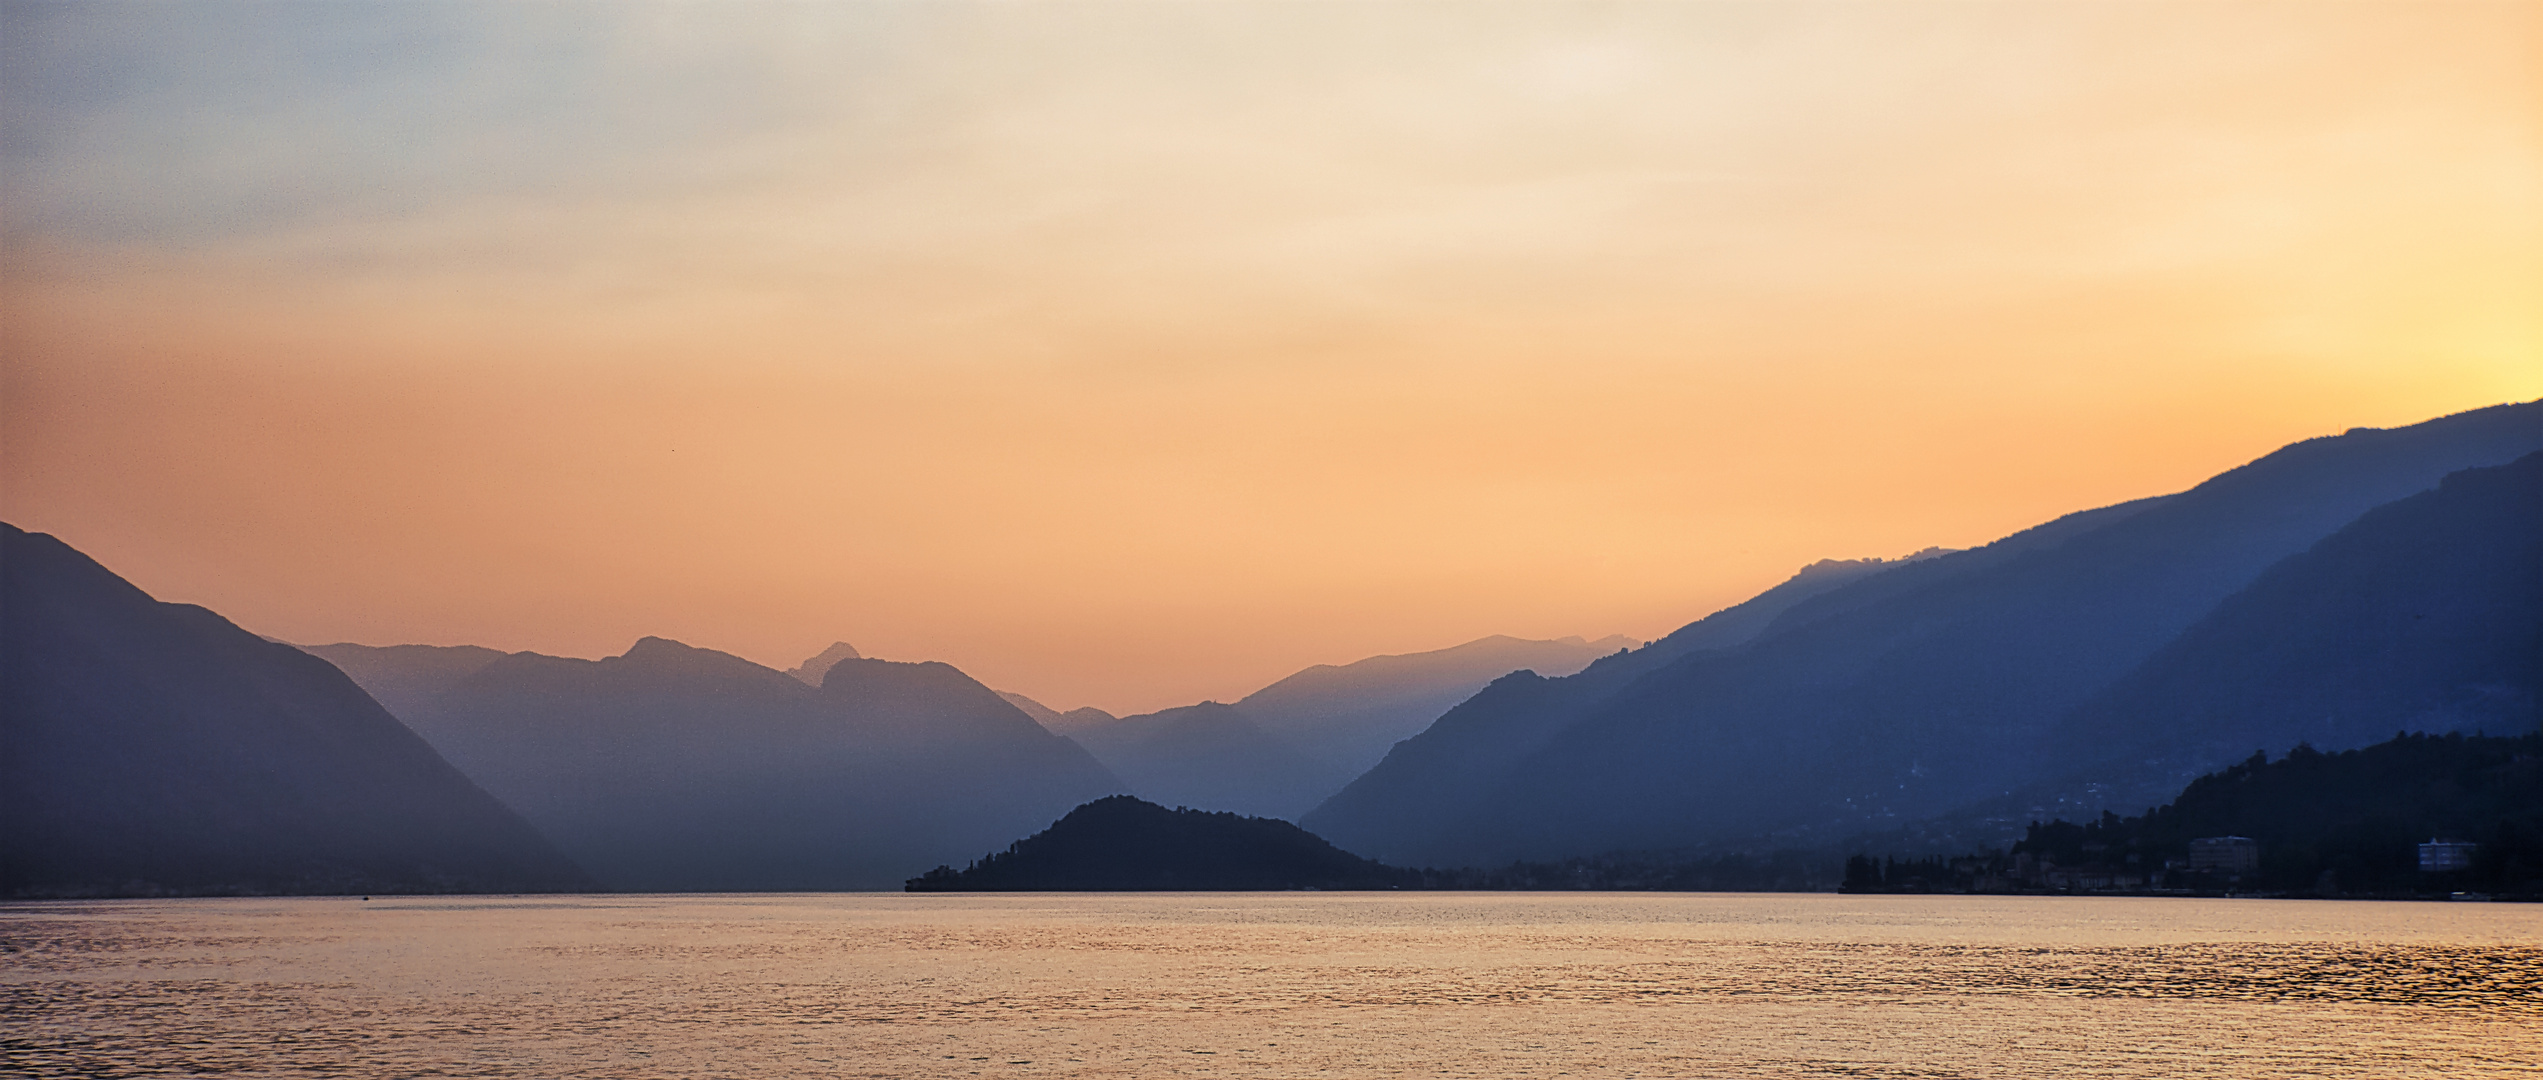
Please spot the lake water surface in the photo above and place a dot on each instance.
(1270, 985)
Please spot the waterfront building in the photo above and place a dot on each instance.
(2225, 854)
(2437, 856)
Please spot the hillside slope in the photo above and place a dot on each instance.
(2425, 614)
(1126, 844)
(672, 768)
(1899, 696)
(1283, 749)
(157, 749)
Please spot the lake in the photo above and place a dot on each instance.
(1270, 985)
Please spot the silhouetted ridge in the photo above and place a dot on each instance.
(1042, 714)
(1745, 621)
(403, 677)
(1423, 784)
(1346, 716)
(156, 749)
(1079, 719)
(2425, 614)
(925, 700)
(1210, 755)
(1128, 844)
(679, 769)
(664, 661)
(895, 683)
(1902, 695)
(811, 671)
(1286, 747)
(1124, 844)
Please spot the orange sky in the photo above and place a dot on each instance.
(1130, 355)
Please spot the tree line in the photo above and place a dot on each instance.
(2336, 824)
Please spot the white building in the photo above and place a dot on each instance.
(2439, 855)
(2225, 854)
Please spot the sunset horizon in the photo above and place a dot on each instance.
(1261, 671)
(1136, 356)
(1262, 538)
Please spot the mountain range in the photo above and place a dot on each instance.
(2330, 593)
(1908, 690)
(677, 769)
(1280, 750)
(149, 748)
(1057, 722)
(811, 671)
(2421, 615)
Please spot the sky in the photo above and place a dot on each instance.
(1134, 354)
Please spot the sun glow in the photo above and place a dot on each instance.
(1130, 355)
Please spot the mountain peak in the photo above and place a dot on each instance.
(662, 657)
(811, 670)
(651, 651)
(866, 674)
(1081, 718)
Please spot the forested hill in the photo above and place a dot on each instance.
(1127, 844)
(2344, 824)
(2358, 815)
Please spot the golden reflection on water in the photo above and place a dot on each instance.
(1284, 984)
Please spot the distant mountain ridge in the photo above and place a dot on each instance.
(1041, 714)
(153, 749)
(678, 769)
(2102, 655)
(1516, 715)
(1350, 714)
(1905, 693)
(2425, 613)
(402, 677)
(1282, 749)
(1277, 752)
(1209, 756)
(1060, 723)
(811, 671)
